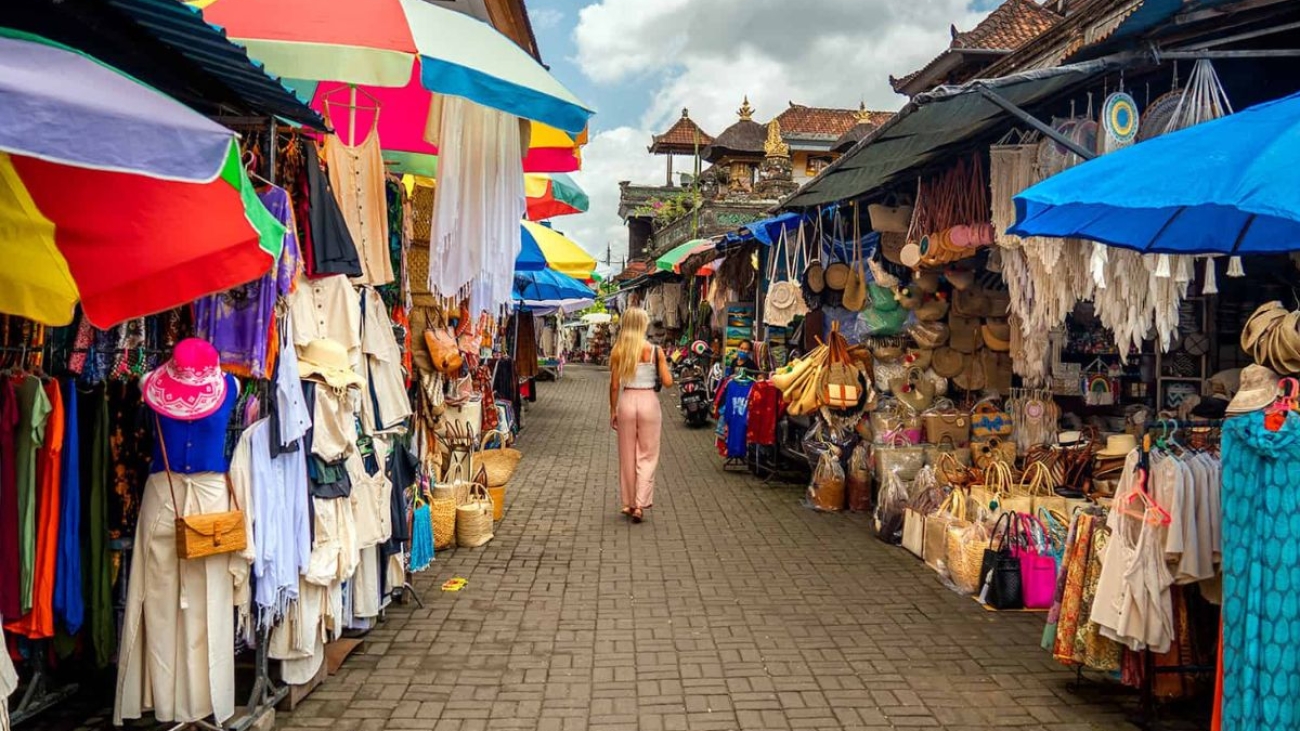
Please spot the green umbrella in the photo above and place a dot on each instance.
(672, 261)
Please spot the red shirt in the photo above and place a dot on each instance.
(764, 409)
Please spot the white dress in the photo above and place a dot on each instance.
(177, 656)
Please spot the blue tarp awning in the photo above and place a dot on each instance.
(1221, 187)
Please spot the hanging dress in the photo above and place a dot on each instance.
(357, 176)
(1261, 574)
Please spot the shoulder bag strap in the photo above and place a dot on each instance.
(162, 446)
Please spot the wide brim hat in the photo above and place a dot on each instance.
(1260, 322)
(326, 361)
(190, 385)
(948, 362)
(1118, 445)
(837, 276)
(996, 335)
(891, 246)
(1283, 341)
(1258, 390)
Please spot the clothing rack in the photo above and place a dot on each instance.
(1150, 716)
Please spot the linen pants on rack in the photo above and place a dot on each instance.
(639, 422)
(177, 656)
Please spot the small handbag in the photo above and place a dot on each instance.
(992, 449)
(205, 534)
(444, 351)
(1000, 569)
(946, 423)
(902, 460)
(988, 420)
(1037, 566)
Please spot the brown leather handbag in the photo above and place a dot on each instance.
(444, 351)
(205, 534)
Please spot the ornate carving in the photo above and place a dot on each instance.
(745, 111)
(775, 146)
(863, 115)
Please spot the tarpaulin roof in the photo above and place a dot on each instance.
(933, 123)
(167, 45)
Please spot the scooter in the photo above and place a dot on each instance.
(694, 399)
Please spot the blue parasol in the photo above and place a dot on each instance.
(1227, 186)
(548, 285)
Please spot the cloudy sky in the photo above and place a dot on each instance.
(639, 62)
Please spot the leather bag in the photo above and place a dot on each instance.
(444, 351)
(1000, 568)
(205, 534)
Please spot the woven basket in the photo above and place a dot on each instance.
(474, 519)
(422, 218)
(443, 512)
(966, 544)
(498, 501)
(499, 464)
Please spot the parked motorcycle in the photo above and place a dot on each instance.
(695, 401)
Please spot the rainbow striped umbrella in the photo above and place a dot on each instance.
(561, 254)
(114, 194)
(390, 43)
(553, 194)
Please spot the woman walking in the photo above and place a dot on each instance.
(636, 368)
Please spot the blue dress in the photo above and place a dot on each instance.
(1261, 574)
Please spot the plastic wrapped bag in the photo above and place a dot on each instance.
(890, 508)
(826, 491)
(858, 479)
(965, 555)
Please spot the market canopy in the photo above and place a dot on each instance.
(561, 254)
(1235, 190)
(672, 261)
(381, 42)
(932, 124)
(115, 195)
(553, 194)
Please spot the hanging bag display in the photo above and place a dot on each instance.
(783, 302)
(204, 534)
(855, 292)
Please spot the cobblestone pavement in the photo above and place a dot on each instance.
(731, 607)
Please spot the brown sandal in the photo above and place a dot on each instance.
(626, 511)
(637, 515)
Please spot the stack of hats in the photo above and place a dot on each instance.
(1108, 464)
(1272, 337)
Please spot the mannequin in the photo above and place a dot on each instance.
(177, 657)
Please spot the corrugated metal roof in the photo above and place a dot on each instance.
(184, 29)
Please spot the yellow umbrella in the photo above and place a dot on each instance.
(561, 254)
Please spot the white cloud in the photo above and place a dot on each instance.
(611, 156)
(706, 55)
(546, 18)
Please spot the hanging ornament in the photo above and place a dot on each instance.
(1211, 281)
(1234, 267)
(1119, 119)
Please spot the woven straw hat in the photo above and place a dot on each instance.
(1258, 389)
(948, 362)
(929, 334)
(1118, 445)
(1285, 350)
(997, 335)
(973, 376)
(965, 333)
(1265, 317)
(891, 246)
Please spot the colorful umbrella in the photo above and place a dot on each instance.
(381, 43)
(672, 261)
(553, 194)
(549, 285)
(710, 269)
(561, 254)
(114, 194)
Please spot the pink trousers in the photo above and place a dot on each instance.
(639, 422)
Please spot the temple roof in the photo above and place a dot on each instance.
(1010, 26)
(745, 137)
(680, 139)
(867, 122)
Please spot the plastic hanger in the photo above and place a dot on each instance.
(1288, 396)
(250, 163)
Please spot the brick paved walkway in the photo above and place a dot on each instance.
(730, 608)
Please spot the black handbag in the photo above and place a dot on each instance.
(1000, 568)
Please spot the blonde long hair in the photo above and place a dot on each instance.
(631, 341)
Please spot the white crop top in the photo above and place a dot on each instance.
(645, 372)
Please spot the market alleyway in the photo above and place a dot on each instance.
(732, 607)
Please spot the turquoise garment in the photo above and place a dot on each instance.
(1261, 574)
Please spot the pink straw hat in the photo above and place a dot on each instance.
(190, 385)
